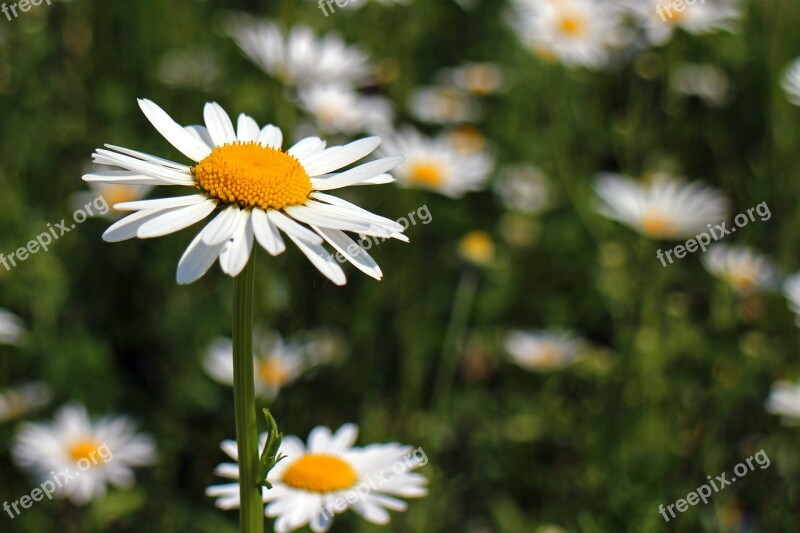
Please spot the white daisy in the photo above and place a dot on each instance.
(337, 108)
(574, 32)
(12, 329)
(784, 400)
(299, 57)
(791, 82)
(479, 79)
(20, 401)
(791, 289)
(660, 18)
(327, 477)
(744, 269)
(261, 189)
(95, 453)
(543, 351)
(442, 105)
(708, 82)
(276, 363)
(434, 164)
(524, 188)
(663, 208)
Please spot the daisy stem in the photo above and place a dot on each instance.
(251, 514)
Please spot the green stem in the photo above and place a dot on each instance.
(459, 319)
(251, 515)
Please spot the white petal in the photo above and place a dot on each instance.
(321, 259)
(266, 233)
(327, 219)
(173, 132)
(161, 203)
(196, 261)
(201, 134)
(246, 128)
(127, 227)
(352, 251)
(222, 227)
(153, 169)
(380, 179)
(219, 124)
(150, 158)
(358, 174)
(123, 177)
(292, 228)
(270, 136)
(175, 220)
(236, 252)
(306, 148)
(328, 161)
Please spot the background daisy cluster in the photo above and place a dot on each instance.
(558, 377)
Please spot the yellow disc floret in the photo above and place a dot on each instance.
(85, 448)
(319, 472)
(253, 176)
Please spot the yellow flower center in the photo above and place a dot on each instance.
(427, 174)
(477, 247)
(85, 448)
(273, 372)
(250, 175)
(572, 26)
(467, 140)
(549, 355)
(742, 280)
(655, 224)
(317, 472)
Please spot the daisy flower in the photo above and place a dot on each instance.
(329, 476)
(784, 400)
(791, 289)
(12, 329)
(97, 453)
(477, 247)
(480, 79)
(435, 165)
(262, 192)
(663, 208)
(741, 267)
(276, 363)
(524, 188)
(659, 18)
(542, 351)
(337, 108)
(442, 105)
(299, 57)
(574, 32)
(791, 82)
(20, 401)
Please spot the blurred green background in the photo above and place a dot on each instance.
(674, 391)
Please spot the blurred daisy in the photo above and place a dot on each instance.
(479, 79)
(261, 189)
(663, 208)
(97, 453)
(791, 82)
(543, 351)
(442, 105)
(328, 476)
(477, 247)
(524, 188)
(299, 57)
(20, 401)
(659, 18)
(574, 32)
(338, 108)
(466, 139)
(707, 82)
(784, 400)
(791, 289)
(276, 363)
(435, 165)
(112, 194)
(12, 329)
(741, 267)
